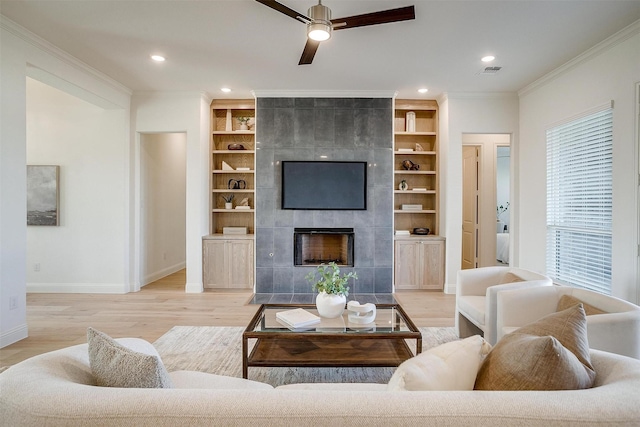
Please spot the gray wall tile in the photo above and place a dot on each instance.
(342, 129)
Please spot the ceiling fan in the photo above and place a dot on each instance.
(320, 24)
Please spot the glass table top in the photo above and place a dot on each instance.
(390, 319)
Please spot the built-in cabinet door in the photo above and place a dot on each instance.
(432, 265)
(240, 263)
(408, 265)
(419, 264)
(228, 263)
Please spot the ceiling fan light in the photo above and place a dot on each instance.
(320, 27)
(318, 31)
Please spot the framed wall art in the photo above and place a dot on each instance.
(43, 194)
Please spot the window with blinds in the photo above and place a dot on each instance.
(579, 201)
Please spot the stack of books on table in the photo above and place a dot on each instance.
(297, 318)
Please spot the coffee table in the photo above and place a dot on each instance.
(330, 343)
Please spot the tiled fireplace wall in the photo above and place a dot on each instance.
(358, 129)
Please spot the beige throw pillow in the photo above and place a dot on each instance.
(114, 365)
(550, 354)
(567, 301)
(510, 278)
(450, 366)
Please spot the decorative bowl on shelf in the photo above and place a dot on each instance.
(235, 147)
(421, 231)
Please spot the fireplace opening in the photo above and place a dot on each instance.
(315, 246)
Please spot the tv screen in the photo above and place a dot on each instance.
(324, 185)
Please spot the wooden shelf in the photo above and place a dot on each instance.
(418, 172)
(414, 191)
(407, 211)
(232, 190)
(233, 152)
(415, 133)
(234, 132)
(233, 210)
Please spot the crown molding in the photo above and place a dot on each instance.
(479, 95)
(324, 93)
(38, 42)
(589, 54)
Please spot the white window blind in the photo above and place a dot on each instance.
(579, 201)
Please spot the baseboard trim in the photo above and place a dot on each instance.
(163, 273)
(77, 288)
(194, 288)
(450, 288)
(14, 335)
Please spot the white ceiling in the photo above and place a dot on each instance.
(247, 46)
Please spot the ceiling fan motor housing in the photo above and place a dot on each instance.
(320, 28)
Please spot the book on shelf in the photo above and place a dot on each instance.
(243, 207)
(243, 169)
(405, 149)
(402, 233)
(411, 207)
(419, 189)
(297, 318)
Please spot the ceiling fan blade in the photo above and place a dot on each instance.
(382, 17)
(309, 52)
(284, 9)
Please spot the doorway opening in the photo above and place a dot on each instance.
(163, 208)
(486, 200)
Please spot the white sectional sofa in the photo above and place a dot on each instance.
(58, 389)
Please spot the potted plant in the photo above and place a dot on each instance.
(331, 288)
(244, 122)
(228, 201)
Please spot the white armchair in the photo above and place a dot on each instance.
(476, 292)
(616, 331)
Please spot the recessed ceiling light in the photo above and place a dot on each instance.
(423, 90)
(225, 89)
(158, 58)
(488, 58)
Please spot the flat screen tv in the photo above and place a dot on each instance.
(324, 185)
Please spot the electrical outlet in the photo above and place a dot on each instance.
(36, 266)
(13, 303)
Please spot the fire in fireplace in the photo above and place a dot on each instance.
(315, 246)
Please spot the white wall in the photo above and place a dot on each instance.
(608, 72)
(470, 113)
(22, 54)
(177, 112)
(163, 204)
(81, 254)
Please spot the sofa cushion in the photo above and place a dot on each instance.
(473, 306)
(203, 380)
(450, 366)
(567, 301)
(549, 354)
(116, 365)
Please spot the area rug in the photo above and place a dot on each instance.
(218, 350)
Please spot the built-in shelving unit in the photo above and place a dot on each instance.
(418, 259)
(224, 133)
(420, 147)
(229, 258)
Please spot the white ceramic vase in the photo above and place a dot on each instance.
(330, 305)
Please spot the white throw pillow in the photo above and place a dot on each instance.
(133, 366)
(450, 366)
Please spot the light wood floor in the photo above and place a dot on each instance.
(60, 320)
